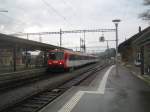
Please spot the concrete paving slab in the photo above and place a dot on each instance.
(123, 93)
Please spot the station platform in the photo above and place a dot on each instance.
(108, 92)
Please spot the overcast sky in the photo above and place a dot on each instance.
(51, 15)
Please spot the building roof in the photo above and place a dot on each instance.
(143, 39)
(134, 39)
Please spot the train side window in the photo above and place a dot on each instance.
(78, 57)
(72, 57)
(75, 57)
(84, 57)
(81, 57)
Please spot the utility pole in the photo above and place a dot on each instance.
(107, 50)
(60, 41)
(80, 44)
(84, 42)
(107, 44)
(40, 38)
(76, 48)
(27, 36)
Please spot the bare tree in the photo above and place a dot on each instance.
(146, 15)
(146, 2)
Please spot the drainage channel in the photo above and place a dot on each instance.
(38, 101)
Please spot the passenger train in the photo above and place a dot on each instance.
(67, 60)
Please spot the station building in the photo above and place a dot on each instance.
(135, 51)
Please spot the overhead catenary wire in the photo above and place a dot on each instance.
(11, 18)
(88, 47)
(69, 31)
(15, 20)
(22, 9)
(69, 5)
(57, 12)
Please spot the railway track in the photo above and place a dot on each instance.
(38, 101)
(7, 83)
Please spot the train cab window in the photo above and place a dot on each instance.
(56, 55)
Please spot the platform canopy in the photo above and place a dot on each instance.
(8, 41)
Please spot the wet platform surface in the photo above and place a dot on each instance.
(123, 93)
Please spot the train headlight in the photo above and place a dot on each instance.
(49, 63)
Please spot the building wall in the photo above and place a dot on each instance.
(147, 59)
(136, 51)
(127, 55)
(6, 57)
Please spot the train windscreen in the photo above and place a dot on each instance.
(56, 55)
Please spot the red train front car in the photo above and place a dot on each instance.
(65, 60)
(56, 59)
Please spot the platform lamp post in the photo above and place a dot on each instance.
(116, 22)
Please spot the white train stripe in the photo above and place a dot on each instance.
(75, 63)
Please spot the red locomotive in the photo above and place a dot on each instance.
(65, 59)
